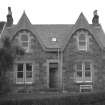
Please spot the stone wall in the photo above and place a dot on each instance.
(70, 56)
(94, 54)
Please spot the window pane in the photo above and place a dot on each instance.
(28, 67)
(20, 75)
(87, 66)
(87, 74)
(82, 37)
(79, 66)
(28, 70)
(82, 43)
(28, 74)
(20, 67)
(79, 74)
(32, 43)
(24, 44)
(24, 37)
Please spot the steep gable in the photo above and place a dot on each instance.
(23, 23)
(62, 32)
(82, 23)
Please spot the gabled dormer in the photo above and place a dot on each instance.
(80, 32)
(82, 36)
(83, 32)
(81, 22)
(24, 22)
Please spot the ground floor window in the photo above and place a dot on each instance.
(85, 88)
(24, 73)
(83, 71)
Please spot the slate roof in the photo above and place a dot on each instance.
(62, 32)
(1, 26)
(47, 32)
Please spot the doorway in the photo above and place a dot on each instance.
(53, 75)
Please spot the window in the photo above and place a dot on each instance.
(25, 40)
(20, 71)
(82, 37)
(24, 73)
(85, 88)
(83, 72)
(82, 42)
(53, 39)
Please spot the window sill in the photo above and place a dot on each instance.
(21, 83)
(78, 82)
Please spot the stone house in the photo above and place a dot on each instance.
(58, 57)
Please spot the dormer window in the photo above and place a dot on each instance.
(25, 40)
(82, 40)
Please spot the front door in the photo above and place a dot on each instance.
(53, 75)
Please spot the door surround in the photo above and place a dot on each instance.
(59, 70)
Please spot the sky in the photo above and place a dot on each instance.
(53, 11)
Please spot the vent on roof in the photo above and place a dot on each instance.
(54, 39)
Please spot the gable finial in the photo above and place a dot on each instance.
(95, 19)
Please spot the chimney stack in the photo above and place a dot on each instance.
(95, 19)
(9, 17)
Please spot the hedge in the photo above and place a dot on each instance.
(77, 99)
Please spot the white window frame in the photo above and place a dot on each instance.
(24, 79)
(28, 48)
(85, 47)
(86, 87)
(83, 78)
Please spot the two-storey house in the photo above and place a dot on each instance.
(60, 57)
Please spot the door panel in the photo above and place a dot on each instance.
(53, 75)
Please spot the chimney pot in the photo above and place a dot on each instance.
(95, 19)
(9, 17)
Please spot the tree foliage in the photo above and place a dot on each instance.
(8, 53)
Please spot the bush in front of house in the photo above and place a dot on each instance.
(77, 99)
(8, 53)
